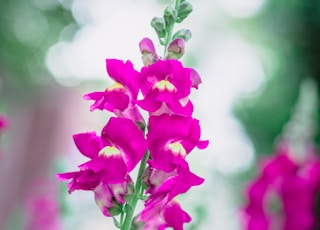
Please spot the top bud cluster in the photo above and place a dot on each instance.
(164, 28)
(160, 146)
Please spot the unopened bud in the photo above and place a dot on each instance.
(158, 25)
(183, 11)
(176, 49)
(170, 15)
(148, 52)
(146, 46)
(185, 34)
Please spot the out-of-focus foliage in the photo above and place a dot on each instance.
(288, 35)
(27, 29)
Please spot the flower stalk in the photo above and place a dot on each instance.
(161, 152)
(137, 195)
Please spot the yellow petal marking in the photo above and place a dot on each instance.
(109, 151)
(177, 149)
(165, 85)
(115, 86)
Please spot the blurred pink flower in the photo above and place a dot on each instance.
(283, 195)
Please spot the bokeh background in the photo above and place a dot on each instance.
(253, 57)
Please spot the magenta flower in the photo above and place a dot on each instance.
(171, 138)
(161, 215)
(112, 156)
(160, 208)
(119, 98)
(284, 194)
(166, 86)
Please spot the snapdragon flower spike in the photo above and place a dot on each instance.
(119, 98)
(166, 86)
(294, 185)
(171, 138)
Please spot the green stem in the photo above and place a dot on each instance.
(170, 32)
(177, 4)
(138, 190)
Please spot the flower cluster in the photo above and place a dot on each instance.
(171, 135)
(284, 194)
(160, 143)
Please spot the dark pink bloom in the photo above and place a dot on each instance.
(41, 207)
(284, 194)
(119, 98)
(159, 214)
(112, 156)
(160, 208)
(171, 138)
(166, 86)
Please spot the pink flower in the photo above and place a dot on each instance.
(119, 98)
(160, 207)
(166, 86)
(171, 138)
(112, 156)
(291, 186)
(159, 214)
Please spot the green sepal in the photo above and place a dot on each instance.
(184, 10)
(158, 25)
(169, 15)
(185, 34)
(116, 209)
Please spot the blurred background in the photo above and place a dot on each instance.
(252, 55)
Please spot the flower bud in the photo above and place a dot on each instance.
(170, 15)
(148, 52)
(158, 25)
(183, 11)
(185, 34)
(176, 49)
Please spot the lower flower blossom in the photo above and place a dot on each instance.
(112, 156)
